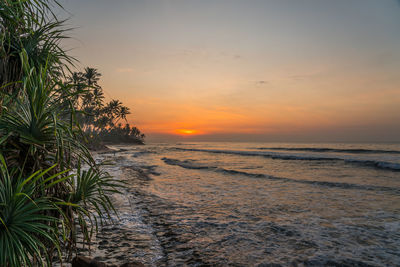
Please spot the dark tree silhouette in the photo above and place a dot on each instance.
(100, 121)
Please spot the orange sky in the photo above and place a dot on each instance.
(248, 69)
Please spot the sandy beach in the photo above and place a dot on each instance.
(143, 231)
(199, 133)
(140, 233)
(127, 239)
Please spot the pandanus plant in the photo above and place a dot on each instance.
(46, 198)
(30, 25)
(39, 130)
(27, 228)
(35, 226)
(36, 133)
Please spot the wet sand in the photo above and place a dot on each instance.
(129, 238)
(143, 231)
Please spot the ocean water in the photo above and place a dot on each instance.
(260, 204)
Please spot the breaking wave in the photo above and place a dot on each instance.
(192, 164)
(324, 149)
(275, 155)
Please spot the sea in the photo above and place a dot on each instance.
(264, 204)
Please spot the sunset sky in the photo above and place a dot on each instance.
(300, 70)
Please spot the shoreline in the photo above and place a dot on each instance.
(143, 233)
(159, 230)
(129, 239)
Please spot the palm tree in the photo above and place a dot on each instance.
(76, 78)
(77, 86)
(113, 106)
(92, 76)
(123, 112)
(112, 109)
(98, 96)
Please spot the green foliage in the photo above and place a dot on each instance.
(30, 216)
(37, 132)
(91, 192)
(25, 224)
(119, 133)
(37, 128)
(41, 212)
(100, 121)
(30, 25)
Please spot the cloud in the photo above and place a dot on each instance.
(124, 70)
(261, 82)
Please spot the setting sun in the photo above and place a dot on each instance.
(186, 132)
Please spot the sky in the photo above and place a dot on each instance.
(228, 70)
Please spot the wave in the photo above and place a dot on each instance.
(144, 152)
(324, 149)
(274, 155)
(192, 164)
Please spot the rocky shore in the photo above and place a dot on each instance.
(82, 261)
(143, 234)
(128, 241)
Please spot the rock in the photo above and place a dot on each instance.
(81, 261)
(133, 264)
(95, 263)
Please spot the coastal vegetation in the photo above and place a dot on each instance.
(52, 192)
(100, 121)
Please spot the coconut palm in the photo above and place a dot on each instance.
(123, 112)
(113, 107)
(78, 86)
(99, 120)
(92, 76)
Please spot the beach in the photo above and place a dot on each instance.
(199, 133)
(206, 205)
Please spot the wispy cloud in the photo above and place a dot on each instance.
(261, 82)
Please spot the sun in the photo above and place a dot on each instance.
(186, 131)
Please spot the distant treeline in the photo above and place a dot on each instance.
(100, 121)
